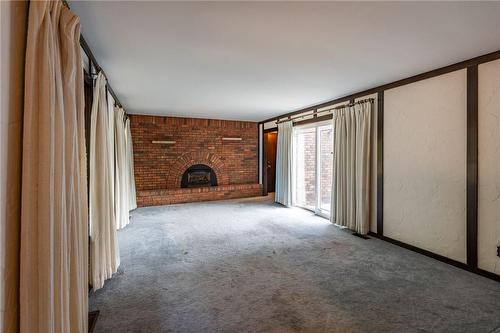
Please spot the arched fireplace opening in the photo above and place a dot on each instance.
(198, 175)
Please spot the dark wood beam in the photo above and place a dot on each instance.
(313, 120)
(472, 164)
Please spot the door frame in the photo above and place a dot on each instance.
(265, 191)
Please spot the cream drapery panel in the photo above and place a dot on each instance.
(103, 241)
(54, 234)
(283, 194)
(121, 171)
(130, 165)
(351, 167)
(111, 137)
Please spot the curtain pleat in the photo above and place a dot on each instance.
(121, 171)
(111, 137)
(130, 166)
(54, 234)
(103, 245)
(283, 190)
(351, 167)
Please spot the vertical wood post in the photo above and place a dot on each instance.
(472, 164)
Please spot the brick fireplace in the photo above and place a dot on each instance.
(169, 151)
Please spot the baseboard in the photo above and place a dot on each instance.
(441, 258)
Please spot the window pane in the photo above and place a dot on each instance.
(305, 168)
(326, 166)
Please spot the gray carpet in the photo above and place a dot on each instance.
(249, 265)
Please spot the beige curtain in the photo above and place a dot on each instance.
(283, 190)
(103, 245)
(111, 137)
(54, 235)
(351, 167)
(130, 166)
(121, 171)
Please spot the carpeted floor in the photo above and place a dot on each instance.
(250, 265)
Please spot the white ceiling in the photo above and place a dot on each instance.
(255, 60)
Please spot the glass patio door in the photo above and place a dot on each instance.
(304, 165)
(312, 167)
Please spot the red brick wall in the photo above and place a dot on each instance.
(198, 141)
(306, 172)
(309, 168)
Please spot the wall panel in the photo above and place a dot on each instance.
(489, 166)
(425, 164)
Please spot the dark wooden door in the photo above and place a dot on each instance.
(271, 141)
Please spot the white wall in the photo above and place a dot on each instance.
(489, 166)
(424, 164)
(12, 48)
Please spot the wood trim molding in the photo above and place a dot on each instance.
(472, 164)
(313, 120)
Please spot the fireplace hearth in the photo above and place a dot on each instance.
(198, 175)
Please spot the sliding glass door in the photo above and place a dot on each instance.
(304, 163)
(312, 167)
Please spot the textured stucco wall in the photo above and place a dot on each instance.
(489, 166)
(424, 164)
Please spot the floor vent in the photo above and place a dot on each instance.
(360, 235)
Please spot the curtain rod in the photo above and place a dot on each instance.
(371, 100)
(93, 60)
